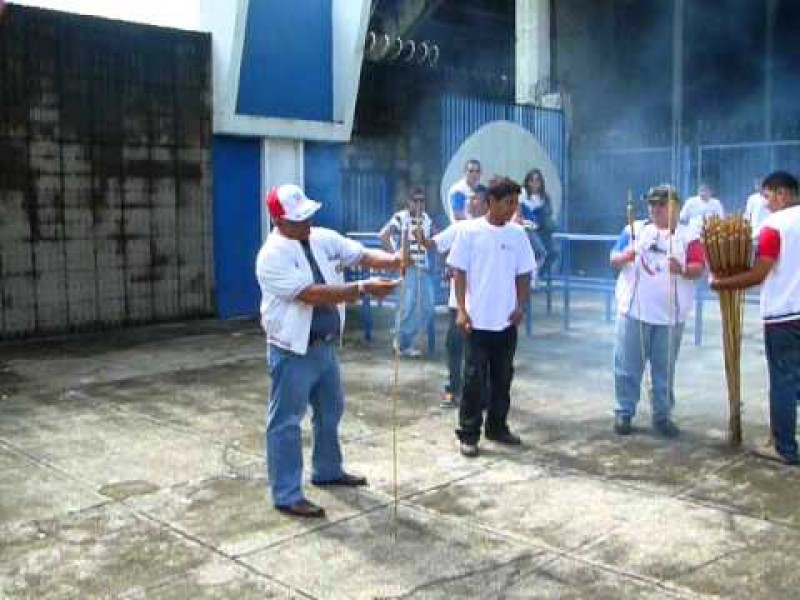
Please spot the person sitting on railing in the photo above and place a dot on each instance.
(416, 306)
(535, 214)
(657, 262)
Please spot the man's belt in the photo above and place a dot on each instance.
(328, 338)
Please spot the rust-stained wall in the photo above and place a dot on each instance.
(105, 195)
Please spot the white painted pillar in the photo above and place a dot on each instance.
(532, 47)
(281, 162)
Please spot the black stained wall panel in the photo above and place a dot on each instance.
(105, 179)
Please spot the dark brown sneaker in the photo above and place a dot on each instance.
(346, 480)
(303, 508)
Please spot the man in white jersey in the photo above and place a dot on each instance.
(655, 294)
(462, 190)
(700, 207)
(777, 270)
(756, 210)
(493, 264)
(416, 305)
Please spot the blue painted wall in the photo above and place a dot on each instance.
(323, 181)
(237, 224)
(287, 60)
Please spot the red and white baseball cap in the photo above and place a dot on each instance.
(289, 201)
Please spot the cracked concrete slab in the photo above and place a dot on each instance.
(132, 465)
(377, 556)
(235, 515)
(105, 552)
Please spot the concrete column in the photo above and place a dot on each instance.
(281, 162)
(532, 47)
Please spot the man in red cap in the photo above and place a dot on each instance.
(302, 314)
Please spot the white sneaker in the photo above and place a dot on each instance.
(411, 353)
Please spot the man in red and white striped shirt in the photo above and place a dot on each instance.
(777, 270)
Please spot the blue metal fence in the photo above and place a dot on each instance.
(734, 168)
(367, 199)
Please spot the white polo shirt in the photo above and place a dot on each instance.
(492, 258)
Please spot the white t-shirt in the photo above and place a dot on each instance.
(458, 198)
(643, 289)
(402, 221)
(696, 210)
(444, 241)
(756, 211)
(780, 241)
(492, 258)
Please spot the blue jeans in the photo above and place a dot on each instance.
(629, 364)
(416, 307)
(782, 345)
(298, 381)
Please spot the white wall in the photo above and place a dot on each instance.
(282, 162)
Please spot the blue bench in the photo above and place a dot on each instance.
(566, 283)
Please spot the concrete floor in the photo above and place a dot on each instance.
(131, 465)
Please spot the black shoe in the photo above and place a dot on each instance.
(469, 450)
(505, 437)
(303, 508)
(666, 428)
(622, 425)
(346, 480)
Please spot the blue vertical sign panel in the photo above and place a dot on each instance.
(287, 60)
(237, 224)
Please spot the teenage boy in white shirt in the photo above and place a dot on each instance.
(777, 271)
(493, 264)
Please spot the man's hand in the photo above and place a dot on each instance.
(629, 254)
(675, 267)
(402, 260)
(516, 316)
(463, 321)
(380, 288)
(714, 282)
(419, 236)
